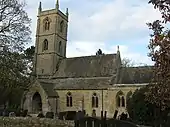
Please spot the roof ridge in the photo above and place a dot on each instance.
(91, 56)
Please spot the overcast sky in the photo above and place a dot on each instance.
(104, 24)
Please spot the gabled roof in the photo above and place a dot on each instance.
(48, 88)
(83, 83)
(135, 75)
(88, 66)
(75, 83)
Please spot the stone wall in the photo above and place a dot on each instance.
(82, 99)
(33, 122)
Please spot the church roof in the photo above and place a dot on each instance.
(83, 83)
(48, 88)
(77, 83)
(128, 76)
(134, 75)
(88, 66)
(95, 83)
(94, 72)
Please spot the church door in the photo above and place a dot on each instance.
(36, 103)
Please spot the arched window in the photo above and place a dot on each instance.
(61, 26)
(123, 101)
(95, 101)
(69, 99)
(45, 44)
(59, 48)
(46, 23)
(120, 100)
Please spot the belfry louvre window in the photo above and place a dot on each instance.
(46, 24)
(59, 48)
(95, 100)
(69, 99)
(45, 44)
(61, 26)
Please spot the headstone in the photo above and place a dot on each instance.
(105, 114)
(40, 115)
(94, 113)
(49, 115)
(78, 115)
(12, 114)
(101, 114)
(4, 113)
(115, 114)
(81, 114)
(123, 116)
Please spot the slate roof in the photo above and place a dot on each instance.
(95, 83)
(88, 66)
(127, 77)
(48, 88)
(79, 83)
(135, 75)
(94, 72)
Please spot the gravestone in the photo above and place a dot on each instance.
(12, 114)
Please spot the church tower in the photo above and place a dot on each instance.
(51, 40)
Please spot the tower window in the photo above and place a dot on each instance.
(46, 24)
(69, 99)
(95, 101)
(61, 26)
(59, 48)
(45, 45)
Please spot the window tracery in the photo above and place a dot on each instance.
(47, 23)
(45, 45)
(120, 100)
(69, 99)
(61, 26)
(95, 100)
(59, 48)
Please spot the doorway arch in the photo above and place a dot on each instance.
(36, 103)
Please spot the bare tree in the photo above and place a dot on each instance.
(127, 62)
(14, 25)
(14, 35)
(14, 30)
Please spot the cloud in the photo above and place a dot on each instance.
(90, 48)
(104, 24)
(83, 48)
(112, 21)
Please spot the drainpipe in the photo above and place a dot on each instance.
(55, 108)
(83, 103)
(102, 99)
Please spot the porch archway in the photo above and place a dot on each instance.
(36, 103)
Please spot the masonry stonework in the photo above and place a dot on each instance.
(82, 100)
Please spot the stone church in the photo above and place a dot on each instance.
(90, 83)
